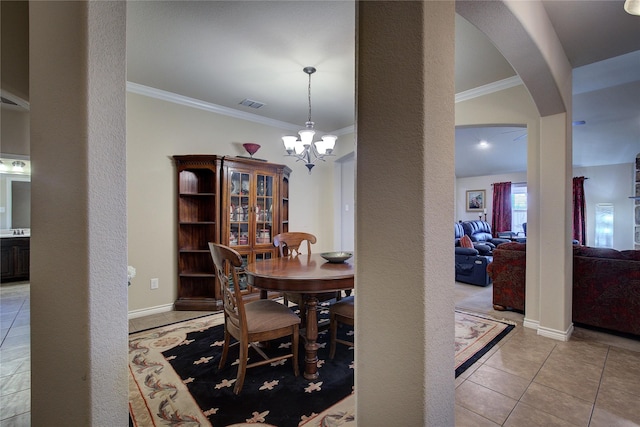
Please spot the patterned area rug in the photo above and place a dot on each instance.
(476, 334)
(174, 378)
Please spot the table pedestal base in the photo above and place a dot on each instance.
(311, 346)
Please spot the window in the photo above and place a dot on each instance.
(518, 207)
(604, 225)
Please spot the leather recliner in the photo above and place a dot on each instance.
(471, 263)
(458, 232)
(480, 232)
(471, 267)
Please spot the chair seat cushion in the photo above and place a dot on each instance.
(266, 315)
(344, 307)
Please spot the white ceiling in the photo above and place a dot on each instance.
(222, 52)
(225, 51)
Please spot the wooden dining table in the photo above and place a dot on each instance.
(309, 275)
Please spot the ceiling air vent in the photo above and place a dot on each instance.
(251, 103)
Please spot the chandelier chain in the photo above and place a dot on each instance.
(309, 97)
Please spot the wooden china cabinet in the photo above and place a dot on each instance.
(238, 202)
(255, 208)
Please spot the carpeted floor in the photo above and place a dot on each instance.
(174, 377)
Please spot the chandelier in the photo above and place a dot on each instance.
(304, 148)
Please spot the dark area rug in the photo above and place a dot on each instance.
(271, 394)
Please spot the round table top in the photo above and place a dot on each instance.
(302, 273)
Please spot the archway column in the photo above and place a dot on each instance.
(78, 246)
(556, 258)
(523, 33)
(404, 196)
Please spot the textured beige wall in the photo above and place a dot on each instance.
(157, 130)
(78, 248)
(404, 187)
(14, 52)
(15, 132)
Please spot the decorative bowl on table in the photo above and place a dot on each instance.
(336, 257)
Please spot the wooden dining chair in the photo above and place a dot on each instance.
(256, 321)
(340, 312)
(289, 245)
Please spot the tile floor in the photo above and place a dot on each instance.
(528, 380)
(15, 356)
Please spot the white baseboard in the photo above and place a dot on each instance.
(531, 324)
(151, 310)
(556, 334)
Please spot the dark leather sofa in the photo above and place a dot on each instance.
(606, 288)
(480, 232)
(606, 285)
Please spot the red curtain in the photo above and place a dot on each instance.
(501, 220)
(579, 210)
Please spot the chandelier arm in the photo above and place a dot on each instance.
(307, 159)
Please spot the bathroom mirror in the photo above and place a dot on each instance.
(15, 197)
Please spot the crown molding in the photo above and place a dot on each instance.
(230, 112)
(489, 88)
(344, 131)
(207, 106)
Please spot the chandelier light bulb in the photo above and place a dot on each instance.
(289, 143)
(632, 7)
(329, 143)
(306, 136)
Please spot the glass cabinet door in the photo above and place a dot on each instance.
(246, 259)
(263, 211)
(239, 209)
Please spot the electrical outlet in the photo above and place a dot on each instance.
(154, 283)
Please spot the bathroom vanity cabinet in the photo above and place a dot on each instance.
(14, 254)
